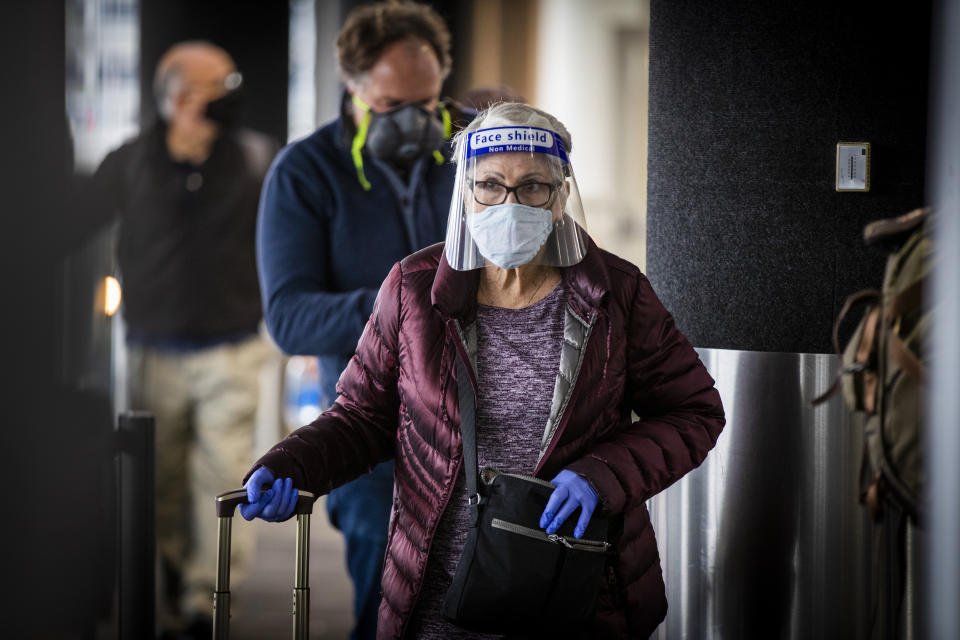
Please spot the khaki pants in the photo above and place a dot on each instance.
(205, 405)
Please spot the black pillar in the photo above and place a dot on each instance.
(136, 518)
(53, 450)
(749, 243)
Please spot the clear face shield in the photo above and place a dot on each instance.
(515, 202)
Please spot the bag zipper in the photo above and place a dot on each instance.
(489, 474)
(596, 546)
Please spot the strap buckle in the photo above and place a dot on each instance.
(473, 500)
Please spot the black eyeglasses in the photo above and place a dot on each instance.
(532, 194)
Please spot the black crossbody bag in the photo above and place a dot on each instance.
(512, 576)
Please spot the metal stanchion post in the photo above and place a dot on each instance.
(137, 537)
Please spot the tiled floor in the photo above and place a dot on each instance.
(261, 606)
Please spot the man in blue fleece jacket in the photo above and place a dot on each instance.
(338, 209)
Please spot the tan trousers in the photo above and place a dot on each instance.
(205, 405)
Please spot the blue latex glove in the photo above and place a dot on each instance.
(572, 492)
(273, 505)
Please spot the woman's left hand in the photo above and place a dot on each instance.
(572, 492)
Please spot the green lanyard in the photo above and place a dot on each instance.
(364, 127)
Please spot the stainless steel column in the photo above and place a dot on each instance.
(766, 539)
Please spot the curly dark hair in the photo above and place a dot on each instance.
(369, 29)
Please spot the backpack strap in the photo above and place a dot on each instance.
(895, 229)
(852, 299)
(896, 307)
(831, 390)
(906, 358)
(865, 357)
(866, 340)
(909, 298)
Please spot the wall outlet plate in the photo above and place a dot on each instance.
(853, 166)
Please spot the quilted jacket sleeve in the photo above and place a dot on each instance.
(358, 431)
(680, 411)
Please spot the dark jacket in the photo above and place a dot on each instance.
(324, 244)
(398, 397)
(185, 245)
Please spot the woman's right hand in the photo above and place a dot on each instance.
(273, 505)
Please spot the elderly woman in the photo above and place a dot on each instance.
(567, 342)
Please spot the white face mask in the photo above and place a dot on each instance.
(510, 234)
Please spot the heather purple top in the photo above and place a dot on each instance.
(518, 357)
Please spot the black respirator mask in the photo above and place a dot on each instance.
(400, 135)
(226, 109)
(403, 134)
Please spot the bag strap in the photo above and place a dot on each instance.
(907, 360)
(832, 389)
(909, 298)
(851, 300)
(897, 227)
(468, 430)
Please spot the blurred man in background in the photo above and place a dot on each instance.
(339, 208)
(186, 193)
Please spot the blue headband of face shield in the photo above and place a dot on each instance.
(504, 139)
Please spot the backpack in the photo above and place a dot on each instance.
(884, 366)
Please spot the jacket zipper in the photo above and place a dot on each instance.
(562, 417)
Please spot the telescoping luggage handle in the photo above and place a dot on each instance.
(226, 505)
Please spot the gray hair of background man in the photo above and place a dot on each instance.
(512, 114)
(168, 80)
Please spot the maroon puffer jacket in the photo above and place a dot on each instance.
(398, 397)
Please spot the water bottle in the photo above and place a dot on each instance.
(302, 397)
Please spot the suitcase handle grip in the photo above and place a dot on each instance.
(227, 502)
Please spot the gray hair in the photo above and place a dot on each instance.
(167, 84)
(512, 114)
